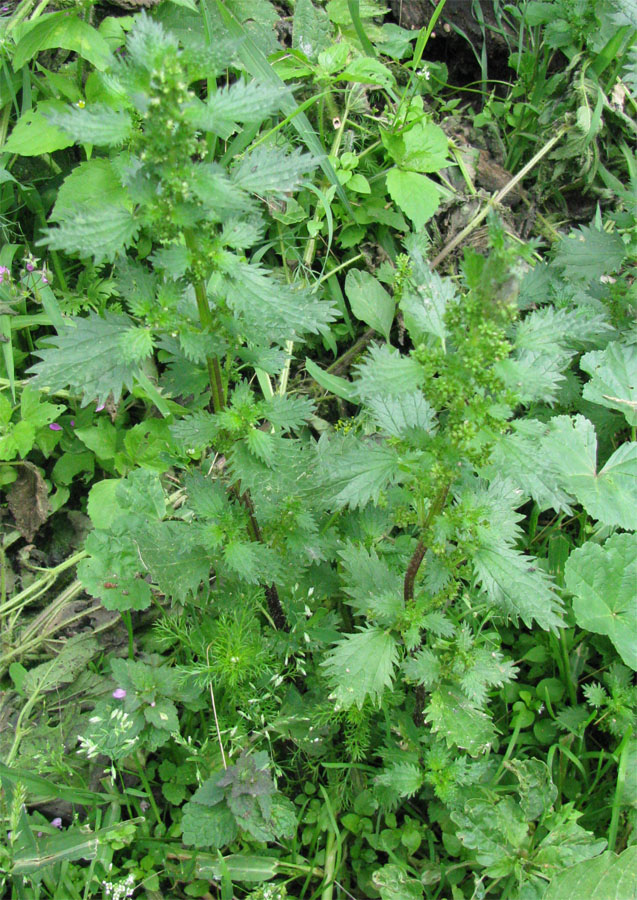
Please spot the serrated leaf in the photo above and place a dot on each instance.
(94, 124)
(374, 589)
(613, 381)
(405, 779)
(173, 554)
(97, 231)
(310, 29)
(423, 304)
(85, 358)
(416, 195)
(607, 877)
(589, 252)
(361, 666)
(603, 580)
(515, 585)
(408, 415)
(208, 826)
(268, 170)
(386, 371)
(370, 301)
(96, 181)
(455, 718)
(360, 470)
(286, 412)
(239, 102)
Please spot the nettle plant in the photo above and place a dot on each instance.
(348, 594)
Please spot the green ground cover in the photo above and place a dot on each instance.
(318, 452)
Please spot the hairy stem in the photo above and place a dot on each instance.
(421, 548)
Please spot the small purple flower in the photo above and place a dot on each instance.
(119, 693)
(45, 280)
(40, 833)
(30, 267)
(56, 822)
(100, 407)
(55, 427)
(4, 272)
(153, 703)
(72, 423)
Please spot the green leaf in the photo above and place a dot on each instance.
(85, 357)
(608, 877)
(365, 70)
(602, 580)
(370, 301)
(101, 438)
(173, 553)
(455, 718)
(208, 826)
(406, 416)
(393, 883)
(97, 231)
(416, 195)
(269, 170)
(385, 371)
(96, 181)
(33, 135)
(361, 666)
(65, 30)
(357, 471)
(94, 124)
(310, 29)
(374, 589)
(610, 495)
(405, 779)
(425, 148)
(241, 867)
(423, 304)
(112, 572)
(163, 715)
(589, 252)
(76, 653)
(239, 102)
(103, 505)
(613, 381)
(336, 385)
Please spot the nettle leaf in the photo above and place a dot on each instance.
(405, 779)
(602, 580)
(97, 231)
(613, 381)
(370, 301)
(610, 495)
(94, 124)
(286, 412)
(361, 666)
(356, 471)
(374, 589)
(311, 29)
(87, 359)
(195, 432)
(589, 252)
(423, 304)
(269, 170)
(403, 416)
(515, 457)
(386, 371)
(208, 826)
(174, 555)
(222, 111)
(533, 376)
(516, 586)
(253, 562)
(452, 715)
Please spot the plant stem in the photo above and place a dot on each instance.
(128, 622)
(218, 404)
(421, 547)
(622, 750)
(144, 780)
